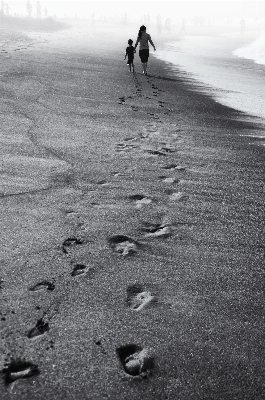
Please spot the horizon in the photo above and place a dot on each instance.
(134, 9)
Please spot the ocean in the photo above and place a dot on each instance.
(229, 67)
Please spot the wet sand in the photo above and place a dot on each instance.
(132, 251)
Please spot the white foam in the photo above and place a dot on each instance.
(210, 60)
(253, 51)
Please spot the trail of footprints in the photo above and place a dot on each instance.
(149, 131)
(135, 360)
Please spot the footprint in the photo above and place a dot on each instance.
(140, 200)
(178, 196)
(123, 245)
(19, 369)
(156, 152)
(81, 269)
(103, 183)
(135, 360)
(98, 343)
(70, 242)
(169, 179)
(41, 327)
(137, 297)
(122, 100)
(125, 147)
(143, 202)
(121, 146)
(157, 230)
(176, 167)
(42, 285)
(168, 149)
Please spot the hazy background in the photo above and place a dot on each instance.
(213, 12)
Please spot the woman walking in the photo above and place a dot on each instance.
(143, 38)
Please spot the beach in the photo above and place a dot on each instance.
(132, 247)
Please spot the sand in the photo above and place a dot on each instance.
(131, 229)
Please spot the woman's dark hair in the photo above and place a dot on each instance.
(130, 41)
(142, 29)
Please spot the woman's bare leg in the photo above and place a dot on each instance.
(144, 67)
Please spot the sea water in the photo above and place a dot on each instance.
(230, 67)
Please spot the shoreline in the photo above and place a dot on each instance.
(151, 158)
(229, 80)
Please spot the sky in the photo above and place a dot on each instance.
(217, 8)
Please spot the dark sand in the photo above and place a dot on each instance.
(90, 151)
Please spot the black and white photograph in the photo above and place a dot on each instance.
(132, 207)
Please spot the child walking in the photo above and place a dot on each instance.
(130, 50)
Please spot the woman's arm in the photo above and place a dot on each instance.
(150, 40)
(137, 41)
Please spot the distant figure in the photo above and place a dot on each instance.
(148, 19)
(124, 19)
(129, 52)
(29, 9)
(45, 12)
(143, 38)
(183, 27)
(7, 8)
(242, 26)
(168, 25)
(159, 24)
(93, 18)
(2, 11)
(38, 6)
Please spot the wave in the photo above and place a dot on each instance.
(253, 51)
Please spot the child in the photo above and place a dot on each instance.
(130, 50)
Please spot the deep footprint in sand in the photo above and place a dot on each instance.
(123, 245)
(178, 196)
(156, 152)
(137, 297)
(175, 167)
(169, 179)
(135, 360)
(157, 230)
(42, 285)
(41, 327)
(140, 200)
(19, 369)
(81, 269)
(70, 242)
